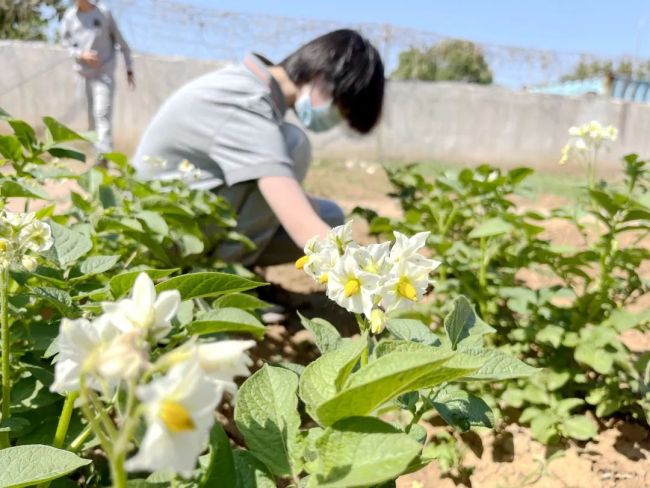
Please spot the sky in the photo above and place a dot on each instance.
(608, 28)
(600, 28)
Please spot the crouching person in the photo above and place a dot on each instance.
(226, 132)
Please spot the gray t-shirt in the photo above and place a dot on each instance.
(220, 129)
(94, 30)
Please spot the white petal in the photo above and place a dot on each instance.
(144, 293)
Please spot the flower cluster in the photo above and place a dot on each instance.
(372, 280)
(20, 234)
(587, 139)
(113, 351)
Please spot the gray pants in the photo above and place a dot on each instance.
(100, 92)
(256, 220)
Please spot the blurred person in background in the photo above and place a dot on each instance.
(226, 132)
(91, 35)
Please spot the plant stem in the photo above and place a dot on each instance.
(76, 444)
(6, 359)
(118, 473)
(64, 420)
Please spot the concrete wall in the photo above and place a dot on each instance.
(423, 121)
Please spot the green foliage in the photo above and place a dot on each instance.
(30, 465)
(569, 325)
(29, 19)
(625, 68)
(449, 60)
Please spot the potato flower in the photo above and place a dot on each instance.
(80, 342)
(179, 413)
(145, 311)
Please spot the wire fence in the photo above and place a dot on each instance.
(175, 28)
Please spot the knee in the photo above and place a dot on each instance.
(298, 148)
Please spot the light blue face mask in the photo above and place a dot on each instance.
(316, 119)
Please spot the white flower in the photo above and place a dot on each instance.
(29, 263)
(144, 311)
(405, 247)
(124, 358)
(36, 236)
(79, 340)
(222, 361)
(350, 286)
(186, 167)
(374, 258)
(407, 284)
(18, 220)
(341, 237)
(179, 413)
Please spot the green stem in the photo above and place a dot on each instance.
(482, 277)
(6, 360)
(93, 420)
(118, 473)
(64, 420)
(76, 444)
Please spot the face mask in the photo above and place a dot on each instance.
(316, 119)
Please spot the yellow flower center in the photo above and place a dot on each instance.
(3, 246)
(324, 278)
(302, 262)
(406, 289)
(352, 287)
(176, 417)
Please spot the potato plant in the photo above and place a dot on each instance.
(570, 324)
(116, 349)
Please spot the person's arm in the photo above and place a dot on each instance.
(124, 47)
(293, 209)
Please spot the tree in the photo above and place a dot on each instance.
(449, 60)
(28, 19)
(594, 68)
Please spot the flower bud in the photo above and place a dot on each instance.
(29, 263)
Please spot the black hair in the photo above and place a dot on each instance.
(352, 68)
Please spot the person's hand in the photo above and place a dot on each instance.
(90, 58)
(130, 78)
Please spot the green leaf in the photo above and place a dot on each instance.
(462, 410)
(551, 334)
(326, 336)
(491, 227)
(154, 221)
(227, 320)
(251, 473)
(412, 330)
(386, 346)
(107, 196)
(544, 427)
(462, 322)
(33, 464)
(497, 365)
(361, 452)
(24, 133)
(59, 132)
(59, 298)
(267, 416)
(580, 428)
(191, 244)
(595, 357)
(15, 426)
(220, 470)
(97, 264)
(121, 284)
(20, 188)
(65, 153)
(69, 245)
(240, 300)
(323, 378)
(207, 284)
(11, 148)
(390, 376)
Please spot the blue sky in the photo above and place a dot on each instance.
(601, 28)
